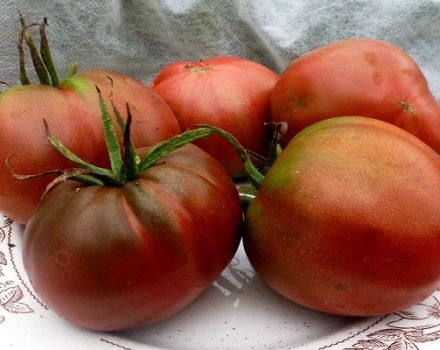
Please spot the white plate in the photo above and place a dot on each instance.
(237, 312)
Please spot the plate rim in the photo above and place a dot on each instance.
(413, 328)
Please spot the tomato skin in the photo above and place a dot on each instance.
(137, 254)
(22, 110)
(73, 115)
(228, 92)
(363, 77)
(153, 119)
(346, 220)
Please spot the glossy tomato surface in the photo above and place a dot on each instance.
(111, 258)
(73, 114)
(346, 220)
(228, 92)
(357, 77)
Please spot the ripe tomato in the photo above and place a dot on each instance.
(357, 77)
(153, 120)
(228, 92)
(73, 112)
(22, 110)
(136, 254)
(346, 220)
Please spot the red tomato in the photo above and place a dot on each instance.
(347, 219)
(153, 120)
(357, 77)
(227, 92)
(72, 113)
(131, 255)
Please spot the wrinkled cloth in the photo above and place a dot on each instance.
(140, 37)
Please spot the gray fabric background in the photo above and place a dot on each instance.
(140, 37)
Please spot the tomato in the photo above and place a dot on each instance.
(357, 77)
(228, 92)
(73, 112)
(346, 220)
(153, 120)
(135, 254)
(22, 135)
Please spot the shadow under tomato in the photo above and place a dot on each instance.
(240, 311)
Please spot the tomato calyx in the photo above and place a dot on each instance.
(41, 58)
(126, 165)
(123, 158)
(279, 129)
(201, 131)
(248, 191)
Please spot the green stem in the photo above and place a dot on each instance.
(74, 174)
(71, 70)
(131, 159)
(278, 150)
(23, 76)
(278, 131)
(46, 55)
(128, 166)
(166, 147)
(88, 180)
(247, 192)
(106, 174)
(116, 112)
(40, 69)
(245, 198)
(78, 174)
(111, 140)
(118, 116)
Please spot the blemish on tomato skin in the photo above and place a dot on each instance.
(342, 285)
(408, 71)
(298, 101)
(62, 258)
(406, 106)
(377, 77)
(371, 58)
(199, 69)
